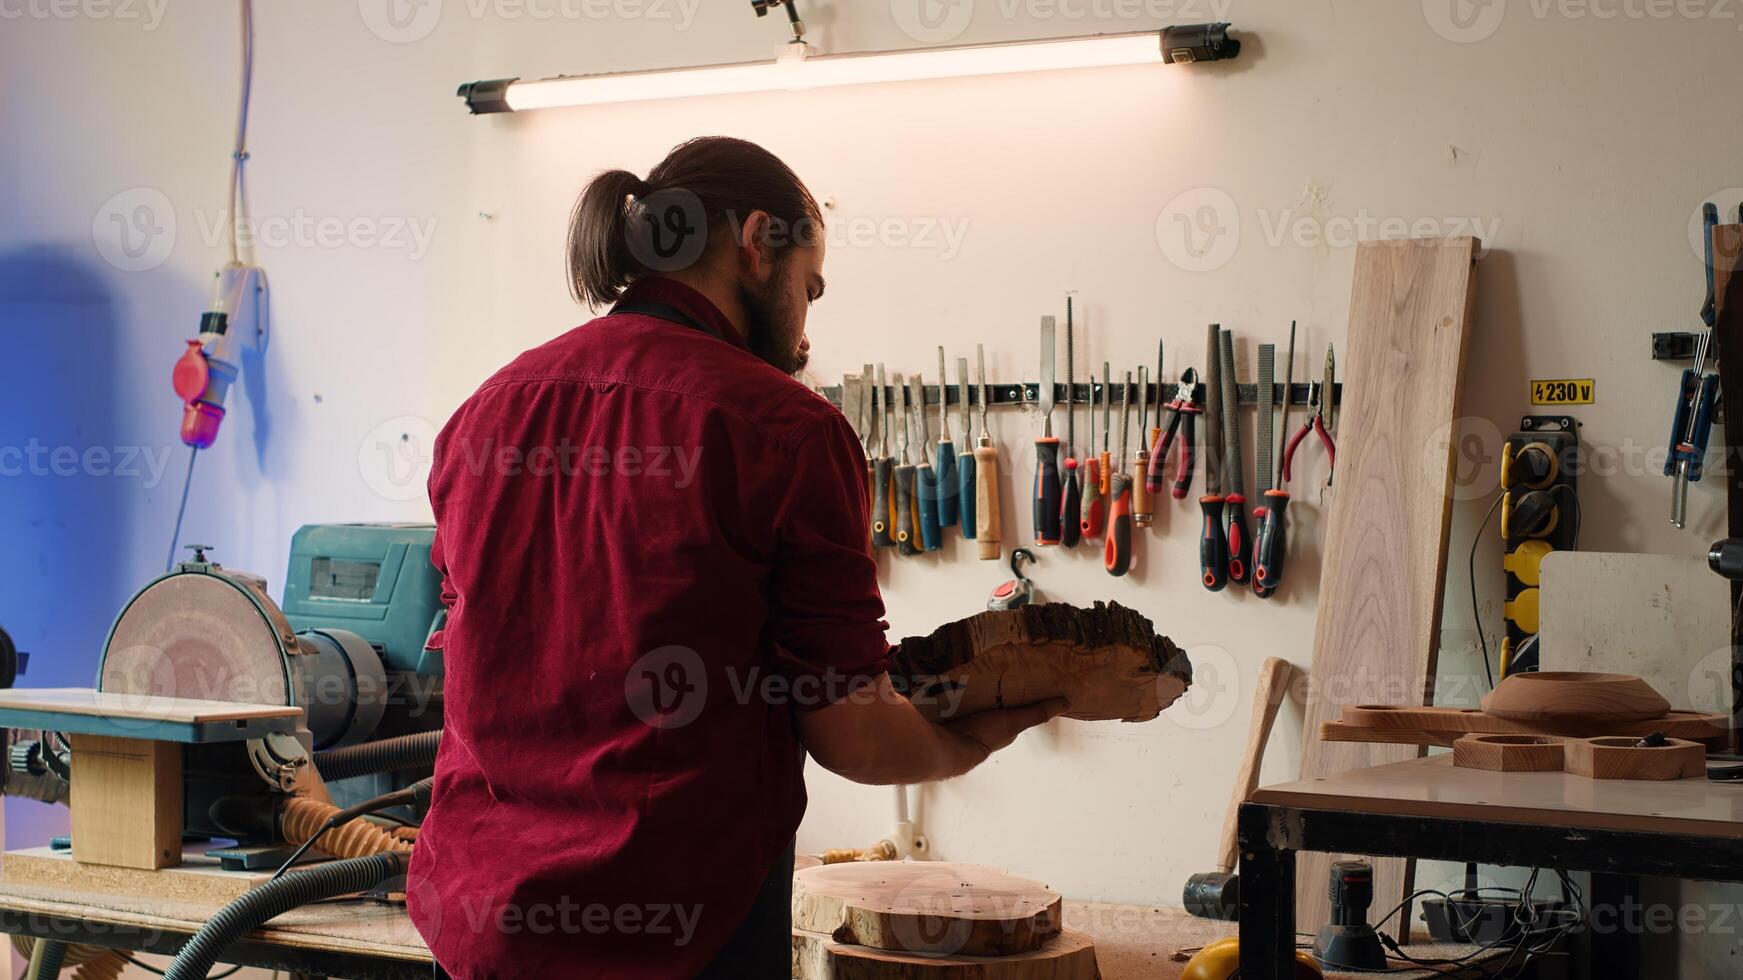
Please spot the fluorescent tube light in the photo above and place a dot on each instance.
(798, 68)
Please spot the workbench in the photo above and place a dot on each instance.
(375, 941)
(1427, 808)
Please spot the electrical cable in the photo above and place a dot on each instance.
(1476, 615)
(182, 510)
(239, 154)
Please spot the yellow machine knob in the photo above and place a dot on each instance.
(1222, 959)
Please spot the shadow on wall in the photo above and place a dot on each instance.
(65, 495)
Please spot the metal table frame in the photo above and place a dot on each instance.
(1271, 835)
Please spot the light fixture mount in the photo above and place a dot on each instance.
(799, 67)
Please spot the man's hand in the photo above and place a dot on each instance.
(993, 730)
(877, 736)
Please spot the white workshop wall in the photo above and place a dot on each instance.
(1580, 142)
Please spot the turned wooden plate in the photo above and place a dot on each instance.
(1563, 697)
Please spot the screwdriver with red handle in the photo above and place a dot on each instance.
(1092, 488)
(1071, 506)
(1213, 549)
(1118, 553)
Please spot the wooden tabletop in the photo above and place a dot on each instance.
(1434, 787)
(83, 711)
(1133, 942)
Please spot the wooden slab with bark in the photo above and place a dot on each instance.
(1068, 956)
(935, 907)
(1107, 661)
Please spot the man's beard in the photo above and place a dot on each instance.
(773, 332)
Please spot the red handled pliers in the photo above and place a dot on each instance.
(1182, 409)
(1320, 399)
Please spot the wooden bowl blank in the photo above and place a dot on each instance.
(1574, 698)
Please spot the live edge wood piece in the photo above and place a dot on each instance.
(1068, 956)
(934, 907)
(1107, 661)
(1384, 560)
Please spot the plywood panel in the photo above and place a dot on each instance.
(1386, 534)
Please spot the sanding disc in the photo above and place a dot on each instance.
(196, 635)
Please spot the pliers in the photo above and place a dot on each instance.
(1320, 398)
(1180, 419)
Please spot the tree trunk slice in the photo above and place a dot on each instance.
(930, 907)
(1067, 956)
(1108, 662)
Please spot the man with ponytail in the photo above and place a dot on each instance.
(654, 547)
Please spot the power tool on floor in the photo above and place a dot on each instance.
(1348, 942)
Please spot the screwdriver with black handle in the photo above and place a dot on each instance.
(1047, 448)
(1117, 554)
(945, 469)
(904, 481)
(883, 509)
(1071, 503)
(1213, 551)
(1273, 543)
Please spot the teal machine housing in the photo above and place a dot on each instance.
(374, 580)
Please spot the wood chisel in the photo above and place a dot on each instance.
(1118, 553)
(1093, 512)
(904, 479)
(1142, 514)
(1107, 406)
(1263, 483)
(945, 468)
(1047, 447)
(925, 478)
(965, 460)
(1071, 504)
(1235, 503)
(868, 427)
(986, 475)
(853, 410)
(1213, 552)
(883, 507)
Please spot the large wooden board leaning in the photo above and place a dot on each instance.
(1068, 956)
(933, 907)
(1107, 661)
(1384, 561)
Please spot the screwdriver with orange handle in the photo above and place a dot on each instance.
(1118, 553)
(1093, 508)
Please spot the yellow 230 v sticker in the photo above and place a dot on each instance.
(1562, 391)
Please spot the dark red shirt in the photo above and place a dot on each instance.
(654, 545)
